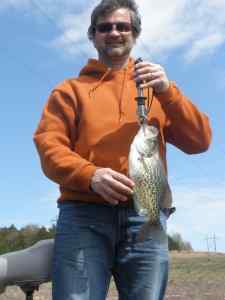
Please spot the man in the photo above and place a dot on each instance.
(83, 140)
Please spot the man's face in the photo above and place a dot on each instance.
(117, 42)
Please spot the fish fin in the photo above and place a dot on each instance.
(166, 198)
(136, 203)
(152, 231)
(145, 231)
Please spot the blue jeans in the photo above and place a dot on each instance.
(94, 242)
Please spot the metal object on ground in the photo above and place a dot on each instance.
(27, 268)
(29, 287)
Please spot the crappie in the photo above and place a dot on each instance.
(147, 171)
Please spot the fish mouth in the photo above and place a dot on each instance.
(150, 129)
(142, 154)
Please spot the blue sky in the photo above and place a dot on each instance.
(44, 42)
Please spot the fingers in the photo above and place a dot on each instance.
(146, 68)
(111, 185)
(123, 180)
(148, 72)
(151, 75)
(153, 83)
(112, 196)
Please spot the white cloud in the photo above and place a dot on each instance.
(196, 27)
(200, 213)
(8, 4)
(207, 44)
(74, 38)
(40, 210)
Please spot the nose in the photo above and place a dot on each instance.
(114, 30)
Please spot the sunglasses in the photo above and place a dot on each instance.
(107, 27)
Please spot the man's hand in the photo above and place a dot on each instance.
(111, 185)
(151, 75)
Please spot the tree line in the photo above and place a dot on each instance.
(13, 239)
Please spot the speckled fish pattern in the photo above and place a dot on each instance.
(148, 173)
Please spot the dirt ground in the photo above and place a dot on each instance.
(174, 292)
(193, 276)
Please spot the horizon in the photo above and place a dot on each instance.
(46, 42)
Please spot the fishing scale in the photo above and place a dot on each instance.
(143, 108)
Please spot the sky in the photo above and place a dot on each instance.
(44, 41)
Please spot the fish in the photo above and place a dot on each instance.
(146, 169)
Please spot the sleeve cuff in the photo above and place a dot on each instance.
(172, 94)
(83, 181)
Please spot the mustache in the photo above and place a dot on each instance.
(115, 41)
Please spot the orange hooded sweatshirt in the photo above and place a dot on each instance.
(89, 122)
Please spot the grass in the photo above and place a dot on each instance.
(193, 276)
(197, 276)
(198, 266)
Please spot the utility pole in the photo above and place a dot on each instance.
(214, 238)
(207, 243)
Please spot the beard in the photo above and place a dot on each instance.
(115, 48)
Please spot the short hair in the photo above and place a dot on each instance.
(106, 7)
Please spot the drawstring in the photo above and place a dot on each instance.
(121, 94)
(93, 89)
(150, 99)
(99, 83)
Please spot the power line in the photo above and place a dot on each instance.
(207, 244)
(213, 239)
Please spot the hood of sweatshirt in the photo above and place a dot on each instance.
(96, 69)
(96, 74)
